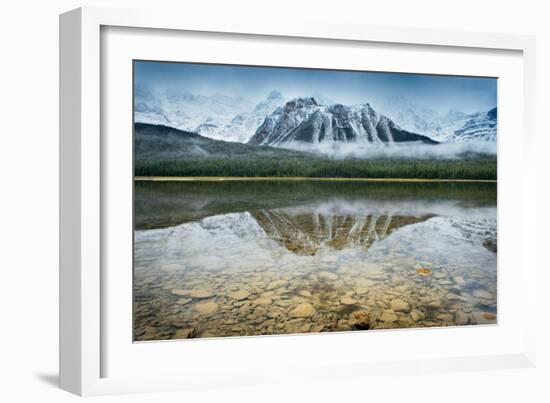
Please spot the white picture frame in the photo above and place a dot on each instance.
(83, 186)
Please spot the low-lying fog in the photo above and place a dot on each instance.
(341, 150)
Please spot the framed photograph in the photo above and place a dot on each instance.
(243, 202)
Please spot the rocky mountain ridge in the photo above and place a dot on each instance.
(305, 120)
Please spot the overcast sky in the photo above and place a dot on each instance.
(467, 94)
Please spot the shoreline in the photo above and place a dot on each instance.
(295, 178)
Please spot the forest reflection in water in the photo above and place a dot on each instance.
(257, 257)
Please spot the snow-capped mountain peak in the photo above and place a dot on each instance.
(440, 126)
(305, 120)
(481, 126)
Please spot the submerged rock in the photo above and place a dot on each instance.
(398, 305)
(317, 328)
(343, 325)
(298, 327)
(196, 293)
(206, 308)
(461, 318)
(359, 320)
(445, 317)
(401, 289)
(388, 316)
(327, 275)
(480, 293)
(262, 301)
(365, 283)
(277, 284)
(180, 293)
(459, 280)
(304, 310)
(201, 294)
(489, 316)
(239, 295)
(184, 333)
(435, 305)
(347, 300)
(483, 318)
(490, 245)
(416, 315)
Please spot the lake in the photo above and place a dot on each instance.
(238, 258)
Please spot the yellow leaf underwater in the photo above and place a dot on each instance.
(424, 271)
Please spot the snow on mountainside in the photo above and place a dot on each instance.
(314, 119)
(148, 108)
(305, 120)
(412, 117)
(448, 127)
(480, 126)
(243, 126)
(182, 109)
(216, 116)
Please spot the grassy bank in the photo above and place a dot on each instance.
(469, 169)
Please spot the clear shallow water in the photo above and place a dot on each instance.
(219, 259)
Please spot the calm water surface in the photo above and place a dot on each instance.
(250, 258)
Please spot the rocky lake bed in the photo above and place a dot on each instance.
(327, 264)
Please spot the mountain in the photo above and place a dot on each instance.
(185, 110)
(148, 108)
(419, 119)
(163, 143)
(480, 126)
(216, 116)
(243, 125)
(305, 120)
(440, 126)
(238, 119)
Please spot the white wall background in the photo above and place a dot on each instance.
(29, 209)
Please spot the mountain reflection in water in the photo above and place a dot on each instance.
(247, 258)
(306, 233)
